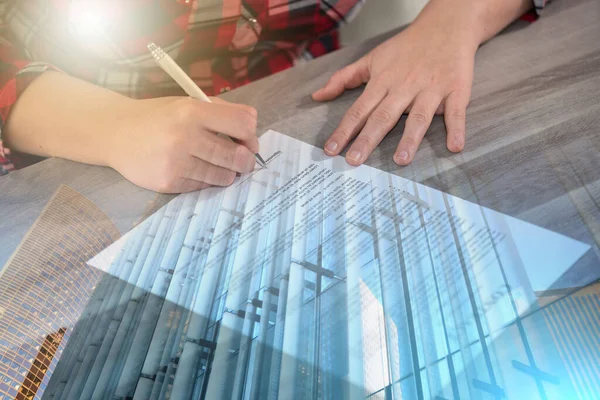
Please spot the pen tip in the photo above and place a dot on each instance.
(152, 46)
(260, 160)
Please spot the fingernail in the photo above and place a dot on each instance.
(458, 143)
(355, 155)
(331, 147)
(402, 156)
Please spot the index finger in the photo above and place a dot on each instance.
(237, 121)
(222, 152)
(354, 119)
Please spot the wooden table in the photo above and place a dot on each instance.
(533, 148)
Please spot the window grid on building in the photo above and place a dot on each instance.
(44, 288)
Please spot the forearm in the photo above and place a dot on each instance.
(477, 20)
(60, 116)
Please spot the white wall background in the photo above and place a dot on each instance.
(378, 16)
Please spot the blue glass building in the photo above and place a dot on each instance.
(216, 297)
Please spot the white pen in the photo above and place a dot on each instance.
(187, 84)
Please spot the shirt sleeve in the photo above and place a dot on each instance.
(16, 73)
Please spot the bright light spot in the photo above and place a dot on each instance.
(88, 20)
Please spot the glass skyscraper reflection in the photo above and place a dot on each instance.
(297, 283)
(163, 322)
(44, 288)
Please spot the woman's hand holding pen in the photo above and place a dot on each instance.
(166, 144)
(169, 144)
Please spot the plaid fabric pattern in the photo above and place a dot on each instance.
(221, 44)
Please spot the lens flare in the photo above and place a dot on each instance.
(88, 20)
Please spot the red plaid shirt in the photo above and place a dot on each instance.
(221, 44)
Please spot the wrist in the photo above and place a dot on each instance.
(457, 23)
(472, 21)
(116, 134)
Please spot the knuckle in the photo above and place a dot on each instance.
(240, 156)
(355, 114)
(225, 177)
(229, 156)
(418, 117)
(337, 76)
(163, 188)
(186, 108)
(460, 93)
(382, 116)
(252, 112)
(365, 142)
(457, 114)
(384, 80)
(461, 87)
(209, 148)
(342, 133)
(433, 81)
(164, 183)
(412, 79)
(171, 145)
(248, 121)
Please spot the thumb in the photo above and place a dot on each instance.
(349, 77)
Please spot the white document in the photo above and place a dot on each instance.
(313, 210)
(320, 201)
(409, 269)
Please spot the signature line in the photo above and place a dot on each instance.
(269, 160)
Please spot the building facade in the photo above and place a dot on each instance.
(192, 306)
(44, 288)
